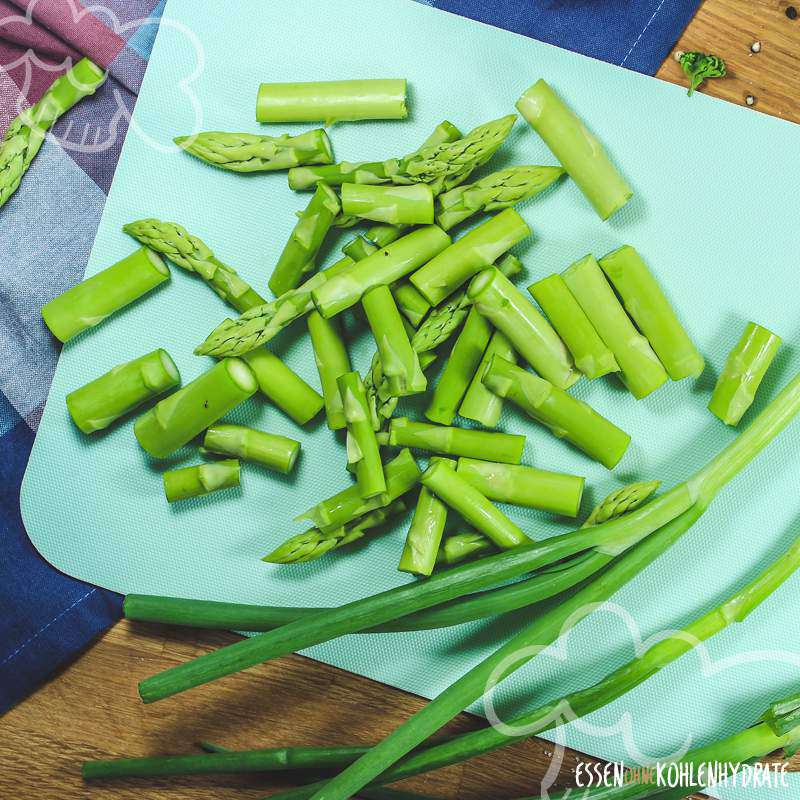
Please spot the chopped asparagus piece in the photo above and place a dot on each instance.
(479, 403)
(462, 546)
(330, 355)
(394, 205)
(181, 484)
(267, 449)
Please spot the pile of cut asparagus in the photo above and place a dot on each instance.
(426, 294)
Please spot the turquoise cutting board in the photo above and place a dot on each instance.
(714, 214)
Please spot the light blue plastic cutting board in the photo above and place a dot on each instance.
(715, 215)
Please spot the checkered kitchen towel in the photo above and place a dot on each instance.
(48, 226)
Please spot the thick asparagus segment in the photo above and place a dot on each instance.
(362, 446)
(399, 362)
(505, 447)
(744, 370)
(305, 240)
(283, 387)
(462, 546)
(499, 190)
(480, 404)
(579, 151)
(425, 533)
(382, 267)
(261, 324)
(592, 356)
(249, 152)
(567, 417)
(413, 306)
(177, 419)
(104, 400)
(314, 543)
(332, 101)
(497, 299)
(461, 496)
(26, 132)
(330, 355)
(268, 449)
(94, 299)
(395, 205)
(401, 473)
(194, 255)
(473, 252)
(641, 371)
(181, 484)
(518, 485)
(443, 166)
(651, 311)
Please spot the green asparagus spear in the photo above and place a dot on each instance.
(425, 533)
(27, 131)
(443, 166)
(621, 501)
(566, 416)
(497, 299)
(395, 205)
(249, 152)
(94, 299)
(473, 252)
(580, 153)
(268, 449)
(332, 361)
(591, 355)
(652, 313)
(505, 447)
(499, 190)
(480, 404)
(283, 387)
(332, 101)
(556, 492)
(744, 370)
(399, 362)
(194, 255)
(305, 240)
(413, 306)
(181, 484)
(314, 543)
(383, 267)
(641, 371)
(462, 546)
(104, 400)
(262, 323)
(177, 419)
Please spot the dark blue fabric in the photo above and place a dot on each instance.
(46, 617)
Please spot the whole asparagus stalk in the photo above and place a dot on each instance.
(267, 449)
(177, 419)
(468, 255)
(480, 404)
(305, 240)
(249, 152)
(651, 311)
(591, 355)
(394, 205)
(26, 132)
(425, 533)
(95, 299)
(505, 447)
(332, 101)
(442, 166)
(744, 370)
(566, 416)
(330, 355)
(501, 189)
(194, 255)
(518, 485)
(641, 371)
(497, 299)
(283, 387)
(202, 479)
(383, 267)
(104, 400)
(580, 153)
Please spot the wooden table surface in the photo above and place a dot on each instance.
(90, 710)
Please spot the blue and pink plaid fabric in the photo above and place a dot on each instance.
(48, 226)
